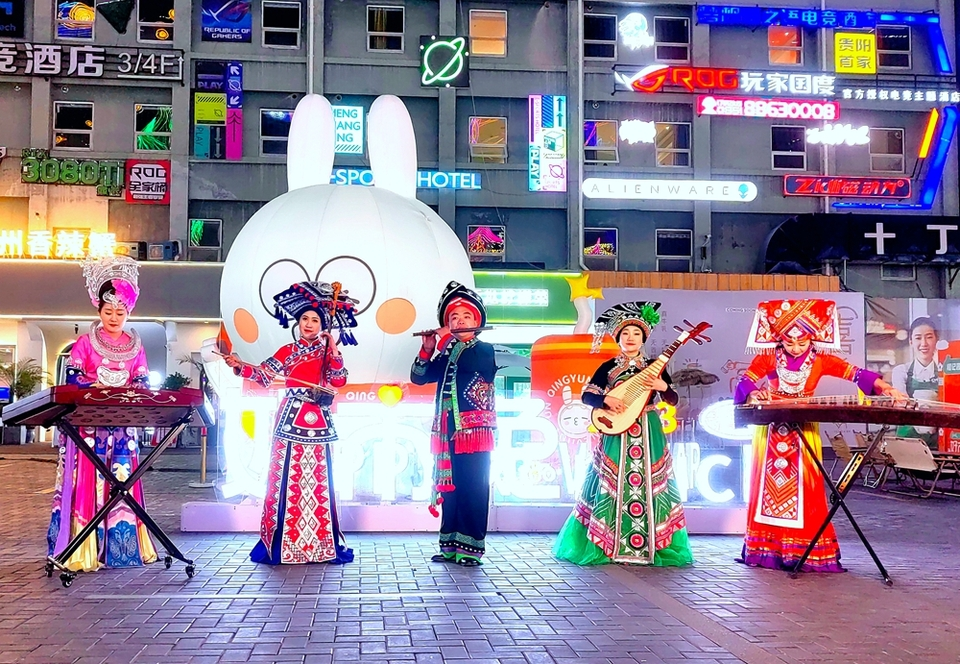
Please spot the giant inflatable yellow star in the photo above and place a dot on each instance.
(579, 288)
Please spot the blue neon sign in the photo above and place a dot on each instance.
(425, 179)
(828, 18)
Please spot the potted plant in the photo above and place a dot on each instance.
(24, 378)
(175, 381)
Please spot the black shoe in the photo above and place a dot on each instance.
(440, 558)
(468, 562)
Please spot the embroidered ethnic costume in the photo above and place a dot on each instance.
(122, 540)
(629, 510)
(299, 522)
(787, 493)
(463, 429)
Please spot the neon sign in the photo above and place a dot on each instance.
(900, 94)
(855, 52)
(829, 185)
(65, 244)
(838, 134)
(633, 31)
(548, 142)
(425, 179)
(752, 107)
(444, 62)
(674, 190)
(38, 167)
(348, 129)
(654, 78)
(637, 131)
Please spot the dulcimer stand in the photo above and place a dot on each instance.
(69, 407)
(884, 411)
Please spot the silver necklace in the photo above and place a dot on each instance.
(109, 350)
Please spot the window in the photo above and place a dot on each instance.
(384, 28)
(281, 24)
(673, 143)
(488, 140)
(789, 146)
(674, 250)
(600, 36)
(155, 20)
(672, 39)
(205, 240)
(75, 20)
(152, 127)
(72, 125)
(897, 272)
(785, 44)
(488, 33)
(600, 141)
(893, 46)
(274, 129)
(886, 150)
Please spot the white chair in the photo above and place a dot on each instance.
(913, 460)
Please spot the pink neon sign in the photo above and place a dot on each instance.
(753, 107)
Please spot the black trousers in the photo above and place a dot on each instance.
(464, 511)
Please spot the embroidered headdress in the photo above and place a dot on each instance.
(612, 321)
(458, 295)
(336, 310)
(776, 320)
(121, 272)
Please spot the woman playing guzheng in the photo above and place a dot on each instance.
(107, 356)
(787, 494)
(629, 509)
(300, 522)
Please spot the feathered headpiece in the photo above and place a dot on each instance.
(336, 310)
(458, 295)
(776, 320)
(122, 272)
(612, 321)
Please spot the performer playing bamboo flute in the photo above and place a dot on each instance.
(787, 493)
(464, 425)
(300, 522)
(107, 356)
(629, 510)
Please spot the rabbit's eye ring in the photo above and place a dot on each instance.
(356, 276)
(279, 276)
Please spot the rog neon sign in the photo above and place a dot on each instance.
(655, 77)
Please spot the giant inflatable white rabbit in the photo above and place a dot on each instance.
(388, 250)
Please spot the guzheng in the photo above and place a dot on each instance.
(69, 407)
(851, 409)
(105, 406)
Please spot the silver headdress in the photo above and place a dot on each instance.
(123, 274)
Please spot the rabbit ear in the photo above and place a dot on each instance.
(392, 146)
(310, 143)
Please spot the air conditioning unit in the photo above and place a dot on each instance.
(135, 250)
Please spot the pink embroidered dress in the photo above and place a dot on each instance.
(122, 540)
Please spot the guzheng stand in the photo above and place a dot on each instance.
(848, 410)
(68, 407)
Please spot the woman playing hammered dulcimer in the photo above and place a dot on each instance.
(795, 339)
(107, 356)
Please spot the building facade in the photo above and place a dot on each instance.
(704, 127)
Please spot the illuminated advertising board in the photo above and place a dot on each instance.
(900, 94)
(655, 78)
(548, 142)
(855, 52)
(840, 186)
(753, 107)
(444, 62)
(672, 190)
(348, 129)
(425, 179)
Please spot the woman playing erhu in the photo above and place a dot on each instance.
(787, 493)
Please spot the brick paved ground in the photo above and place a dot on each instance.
(519, 608)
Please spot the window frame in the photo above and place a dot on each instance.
(506, 33)
(140, 24)
(285, 139)
(615, 149)
(88, 132)
(657, 149)
(137, 134)
(657, 44)
(616, 37)
(482, 159)
(672, 257)
(775, 153)
(902, 154)
(403, 18)
(790, 49)
(908, 51)
(264, 29)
